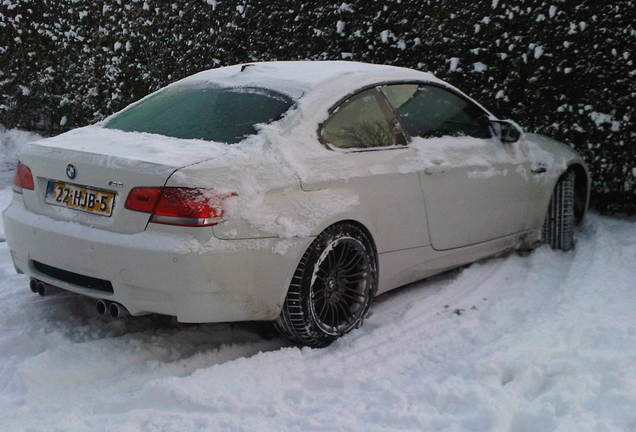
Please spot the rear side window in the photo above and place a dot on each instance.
(215, 114)
(360, 122)
(430, 111)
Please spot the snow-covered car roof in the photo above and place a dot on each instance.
(296, 78)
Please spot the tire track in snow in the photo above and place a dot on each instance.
(381, 339)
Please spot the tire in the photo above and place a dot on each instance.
(332, 288)
(560, 222)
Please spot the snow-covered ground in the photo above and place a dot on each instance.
(534, 344)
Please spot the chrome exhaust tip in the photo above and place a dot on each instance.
(117, 311)
(34, 285)
(101, 307)
(42, 288)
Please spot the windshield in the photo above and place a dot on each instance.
(214, 114)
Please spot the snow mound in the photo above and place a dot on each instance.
(542, 343)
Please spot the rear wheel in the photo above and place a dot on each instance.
(332, 288)
(560, 221)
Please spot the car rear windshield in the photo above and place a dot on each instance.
(215, 114)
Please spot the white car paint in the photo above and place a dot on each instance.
(427, 210)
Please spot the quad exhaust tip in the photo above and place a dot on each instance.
(101, 307)
(34, 285)
(42, 289)
(115, 310)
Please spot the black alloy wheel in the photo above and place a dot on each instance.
(332, 288)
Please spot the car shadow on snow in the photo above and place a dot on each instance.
(73, 319)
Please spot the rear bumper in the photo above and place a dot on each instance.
(159, 272)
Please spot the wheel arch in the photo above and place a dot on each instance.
(363, 228)
(319, 231)
(356, 218)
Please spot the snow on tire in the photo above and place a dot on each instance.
(332, 288)
(559, 224)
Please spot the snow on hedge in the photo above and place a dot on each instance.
(559, 67)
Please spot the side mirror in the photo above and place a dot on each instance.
(506, 130)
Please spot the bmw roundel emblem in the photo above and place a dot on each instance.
(71, 172)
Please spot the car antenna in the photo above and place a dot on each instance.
(245, 66)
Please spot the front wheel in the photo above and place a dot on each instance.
(560, 221)
(332, 288)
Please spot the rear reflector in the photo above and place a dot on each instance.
(178, 206)
(23, 178)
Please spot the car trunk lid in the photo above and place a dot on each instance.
(106, 163)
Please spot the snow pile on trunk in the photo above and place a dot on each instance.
(542, 343)
(115, 148)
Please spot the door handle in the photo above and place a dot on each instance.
(434, 170)
(539, 170)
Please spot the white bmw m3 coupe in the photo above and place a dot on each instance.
(293, 192)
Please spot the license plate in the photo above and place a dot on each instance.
(83, 198)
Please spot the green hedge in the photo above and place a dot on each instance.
(562, 68)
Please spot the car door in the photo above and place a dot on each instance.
(473, 184)
(366, 159)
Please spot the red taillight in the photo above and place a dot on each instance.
(143, 199)
(23, 178)
(178, 206)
